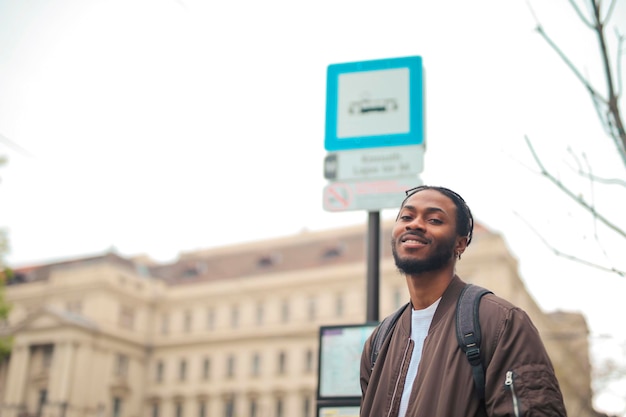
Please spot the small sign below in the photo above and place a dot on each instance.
(367, 195)
(374, 163)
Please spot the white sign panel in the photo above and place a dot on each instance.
(374, 163)
(371, 103)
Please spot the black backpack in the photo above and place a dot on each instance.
(467, 332)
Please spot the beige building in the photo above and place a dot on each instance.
(224, 332)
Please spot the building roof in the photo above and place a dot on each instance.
(304, 250)
(41, 272)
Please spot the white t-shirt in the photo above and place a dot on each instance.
(420, 323)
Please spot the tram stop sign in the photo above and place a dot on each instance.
(374, 104)
(374, 133)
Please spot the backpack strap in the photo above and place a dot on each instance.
(468, 332)
(384, 328)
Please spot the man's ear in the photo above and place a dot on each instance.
(461, 245)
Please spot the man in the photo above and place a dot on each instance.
(420, 371)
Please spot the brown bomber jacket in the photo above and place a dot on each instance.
(519, 377)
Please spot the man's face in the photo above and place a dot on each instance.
(424, 237)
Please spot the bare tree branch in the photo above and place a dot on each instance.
(607, 108)
(532, 11)
(571, 257)
(620, 50)
(571, 66)
(610, 181)
(603, 115)
(609, 11)
(588, 175)
(580, 14)
(593, 204)
(612, 118)
(614, 114)
(578, 199)
(14, 145)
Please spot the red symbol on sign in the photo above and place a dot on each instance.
(337, 197)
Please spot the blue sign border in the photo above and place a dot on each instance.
(415, 136)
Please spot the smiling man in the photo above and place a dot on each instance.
(420, 370)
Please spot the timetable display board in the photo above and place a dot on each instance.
(340, 349)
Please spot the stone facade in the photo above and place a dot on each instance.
(225, 332)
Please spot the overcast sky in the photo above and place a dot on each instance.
(161, 126)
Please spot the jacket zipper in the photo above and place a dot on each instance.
(395, 389)
(508, 382)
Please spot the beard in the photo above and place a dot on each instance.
(444, 252)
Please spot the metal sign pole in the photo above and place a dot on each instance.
(373, 265)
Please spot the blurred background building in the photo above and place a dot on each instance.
(225, 332)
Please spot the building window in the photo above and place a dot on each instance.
(312, 310)
(74, 306)
(187, 321)
(260, 313)
(46, 356)
(165, 323)
(282, 363)
(284, 311)
(202, 408)
(116, 410)
(179, 409)
(127, 317)
(339, 305)
(269, 260)
(333, 252)
(155, 410)
(190, 271)
(234, 317)
(308, 361)
(159, 371)
(206, 369)
(121, 365)
(306, 406)
(256, 364)
(229, 406)
(182, 370)
(280, 407)
(254, 407)
(210, 319)
(230, 367)
(43, 399)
